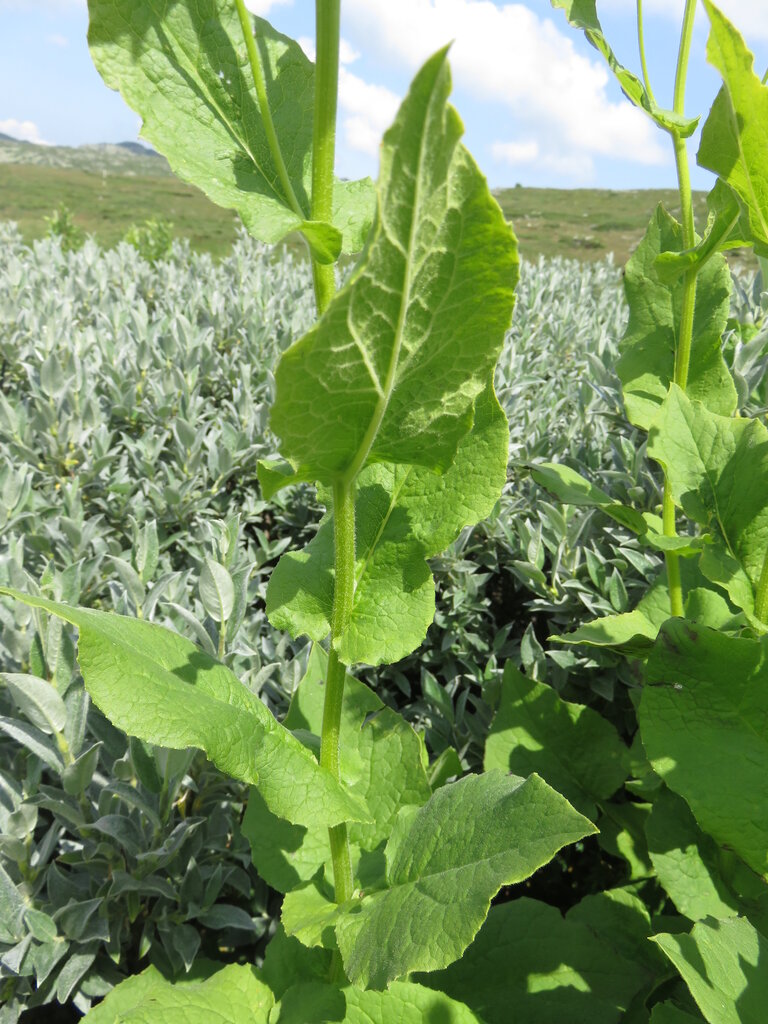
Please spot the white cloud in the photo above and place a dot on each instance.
(263, 7)
(368, 110)
(508, 55)
(527, 155)
(24, 131)
(57, 40)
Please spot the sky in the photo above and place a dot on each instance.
(539, 105)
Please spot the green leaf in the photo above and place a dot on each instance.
(310, 1001)
(445, 862)
(646, 366)
(717, 469)
(723, 964)
(288, 963)
(392, 370)
(573, 489)
(184, 68)
(704, 723)
(405, 1003)
(234, 995)
(157, 685)
(734, 138)
(724, 231)
(38, 700)
(572, 747)
(404, 515)
(217, 591)
(309, 914)
(380, 761)
(668, 1013)
(686, 860)
(528, 963)
(582, 14)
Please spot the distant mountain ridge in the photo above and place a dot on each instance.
(129, 158)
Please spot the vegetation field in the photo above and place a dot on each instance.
(108, 191)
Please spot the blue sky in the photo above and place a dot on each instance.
(538, 104)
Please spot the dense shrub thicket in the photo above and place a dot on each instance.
(133, 409)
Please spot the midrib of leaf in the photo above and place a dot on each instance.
(383, 401)
(372, 549)
(737, 134)
(257, 70)
(191, 70)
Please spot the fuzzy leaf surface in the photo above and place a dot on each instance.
(717, 468)
(392, 369)
(404, 515)
(576, 750)
(234, 995)
(547, 967)
(162, 688)
(704, 724)
(405, 1003)
(646, 366)
(381, 762)
(723, 964)
(445, 862)
(183, 67)
(734, 139)
(686, 860)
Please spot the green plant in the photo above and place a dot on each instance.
(61, 225)
(152, 239)
(702, 707)
(388, 405)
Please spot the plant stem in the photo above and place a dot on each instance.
(641, 47)
(328, 22)
(343, 594)
(761, 597)
(328, 28)
(254, 58)
(685, 337)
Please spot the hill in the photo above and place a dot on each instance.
(110, 187)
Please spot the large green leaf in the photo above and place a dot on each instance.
(717, 468)
(445, 862)
(724, 965)
(404, 515)
(160, 687)
(734, 139)
(381, 762)
(572, 747)
(392, 370)
(184, 68)
(583, 14)
(528, 963)
(405, 1003)
(234, 995)
(687, 861)
(704, 724)
(647, 363)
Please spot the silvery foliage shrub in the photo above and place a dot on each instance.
(132, 413)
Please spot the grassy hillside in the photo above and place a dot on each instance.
(108, 188)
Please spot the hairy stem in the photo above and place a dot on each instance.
(257, 70)
(328, 21)
(685, 337)
(344, 589)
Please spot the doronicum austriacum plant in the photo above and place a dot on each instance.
(387, 406)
